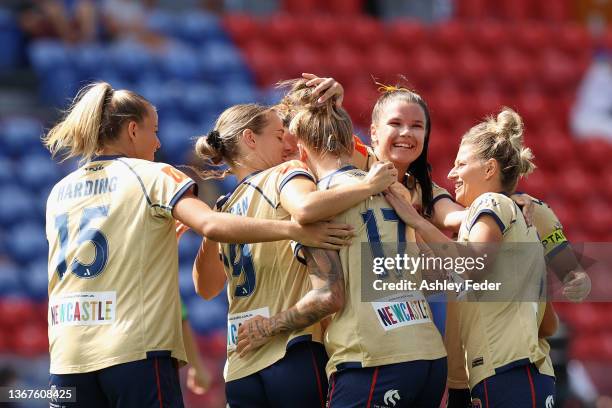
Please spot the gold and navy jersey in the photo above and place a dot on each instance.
(263, 278)
(113, 264)
(498, 335)
(394, 329)
(550, 231)
(364, 157)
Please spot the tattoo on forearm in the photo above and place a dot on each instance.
(325, 265)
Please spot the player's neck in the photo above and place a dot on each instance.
(327, 164)
(242, 172)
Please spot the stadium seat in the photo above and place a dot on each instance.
(35, 278)
(473, 9)
(242, 28)
(48, 55)
(532, 36)
(556, 71)
(11, 41)
(37, 171)
(207, 317)
(301, 7)
(28, 241)
(573, 38)
(201, 100)
(16, 205)
(558, 11)
(515, 68)
(575, 182)
(404, 34)
(268, 63)
(20, 134)
(188, 247)
(387, 62)
(429, 65)
(489, 35)
(195, 27)
(9, 282)
(30, 339)
(283, 29)
(323, 30)
(448, 35)
(176, 137)
(346, 62)
(363, 32)
(473, 67)
(516, 10)
(344, 7)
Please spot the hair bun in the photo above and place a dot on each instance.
(214, 140)
(509, 123)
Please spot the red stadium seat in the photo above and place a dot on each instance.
(359, 101)
(573, 38)
(429, 65)
(518, 10)
(266, 61)
(555, 11)
(473, 9)
(532, 37)
(533, 106)
(536, 184)
(387, 62)
(323, 30)
(515, 68)
(406, 34)
(488, 100)
(283, 30)
(447, 36)
(364, 32)
(585, 347)
(30, 339)
(345, 62)
(344, 7)
(303, 57)
(596, 153)
(473, 67)
(598, 217)
(489, 35)
(241, 27)
(575, 182)
(301, 7)
(557, 72)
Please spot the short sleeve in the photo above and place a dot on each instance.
(439, 193)
(297, 252)
(162, 184)
(292, 169)
(497, 206)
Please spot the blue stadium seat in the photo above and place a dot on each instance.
(16, 205)
(48, 55)
(34, 279)
(186, 282)
(207, 317)
(59, 86)
(220, 60)
(200, 100)
(9, 280)
(236, 93)
(180, 62)
(7, 170)
(11, 41)
(176, 138)
(37, 171)
(20, 134)
(199, 26)
(27, 241)
(188, 247)
(129, 59)
(90, 58)
(162, 22)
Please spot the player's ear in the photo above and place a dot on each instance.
(303, 153)
(490, 167)
(132, 128)
(248, 137)
(373, 135)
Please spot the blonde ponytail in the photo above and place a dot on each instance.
(94, 118)
(77, 134)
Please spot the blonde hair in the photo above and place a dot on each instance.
(94, 118)
(326, 128)
(501, 139)
(297, 96)
(220, 145)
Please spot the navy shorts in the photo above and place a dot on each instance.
(153, 382)
(295, 381)
(521, 386)
(414, 384)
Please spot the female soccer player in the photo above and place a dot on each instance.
(265, 279)
(371, 358)
(114, 310)
(505, 363)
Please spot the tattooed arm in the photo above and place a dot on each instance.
(325, 298)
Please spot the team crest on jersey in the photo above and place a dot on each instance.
(476, 403)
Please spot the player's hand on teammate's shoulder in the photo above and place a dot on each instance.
(576, 286)
(527, 205)
(324, 234)
(325, 87)
(399, 197)
(381, 176)
(253, 334)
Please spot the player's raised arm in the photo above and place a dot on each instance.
(325, 298)
(306, 204)
(235, 229)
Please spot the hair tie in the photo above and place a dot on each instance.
(214, 140)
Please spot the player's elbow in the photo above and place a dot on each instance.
(332, 301)
(304, 214)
